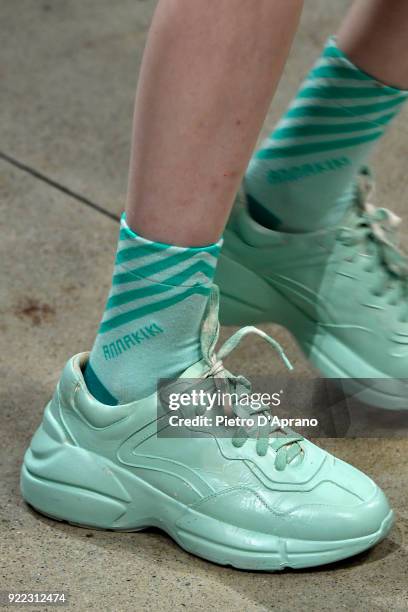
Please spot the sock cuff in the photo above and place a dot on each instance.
(333, 52)
(140, 258)
(128, 233)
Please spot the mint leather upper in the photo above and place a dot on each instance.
(348, 281)
(314, 497)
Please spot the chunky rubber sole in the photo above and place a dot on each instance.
(73, 484)
(248, 299)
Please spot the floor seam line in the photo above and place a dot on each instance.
(56, 185)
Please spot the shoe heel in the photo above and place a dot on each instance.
(73, 484)
(244, 297)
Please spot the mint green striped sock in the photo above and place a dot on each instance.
(151, 325)
(302, 178)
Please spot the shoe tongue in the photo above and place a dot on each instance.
(355, 211)
(352, 217)
(210, 326)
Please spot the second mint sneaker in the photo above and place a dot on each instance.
(254, 503)
(341, 291)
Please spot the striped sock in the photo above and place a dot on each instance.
(151, 325)
(302, 178)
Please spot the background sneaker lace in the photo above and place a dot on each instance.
(376, 231)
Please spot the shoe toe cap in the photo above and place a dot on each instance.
(341, 520)
(342, 503)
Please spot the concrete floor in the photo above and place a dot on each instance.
(68, 74)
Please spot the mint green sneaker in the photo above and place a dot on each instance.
(261, 504)
(342, 292)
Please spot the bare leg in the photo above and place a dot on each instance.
(208, 75)
(374, 37)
